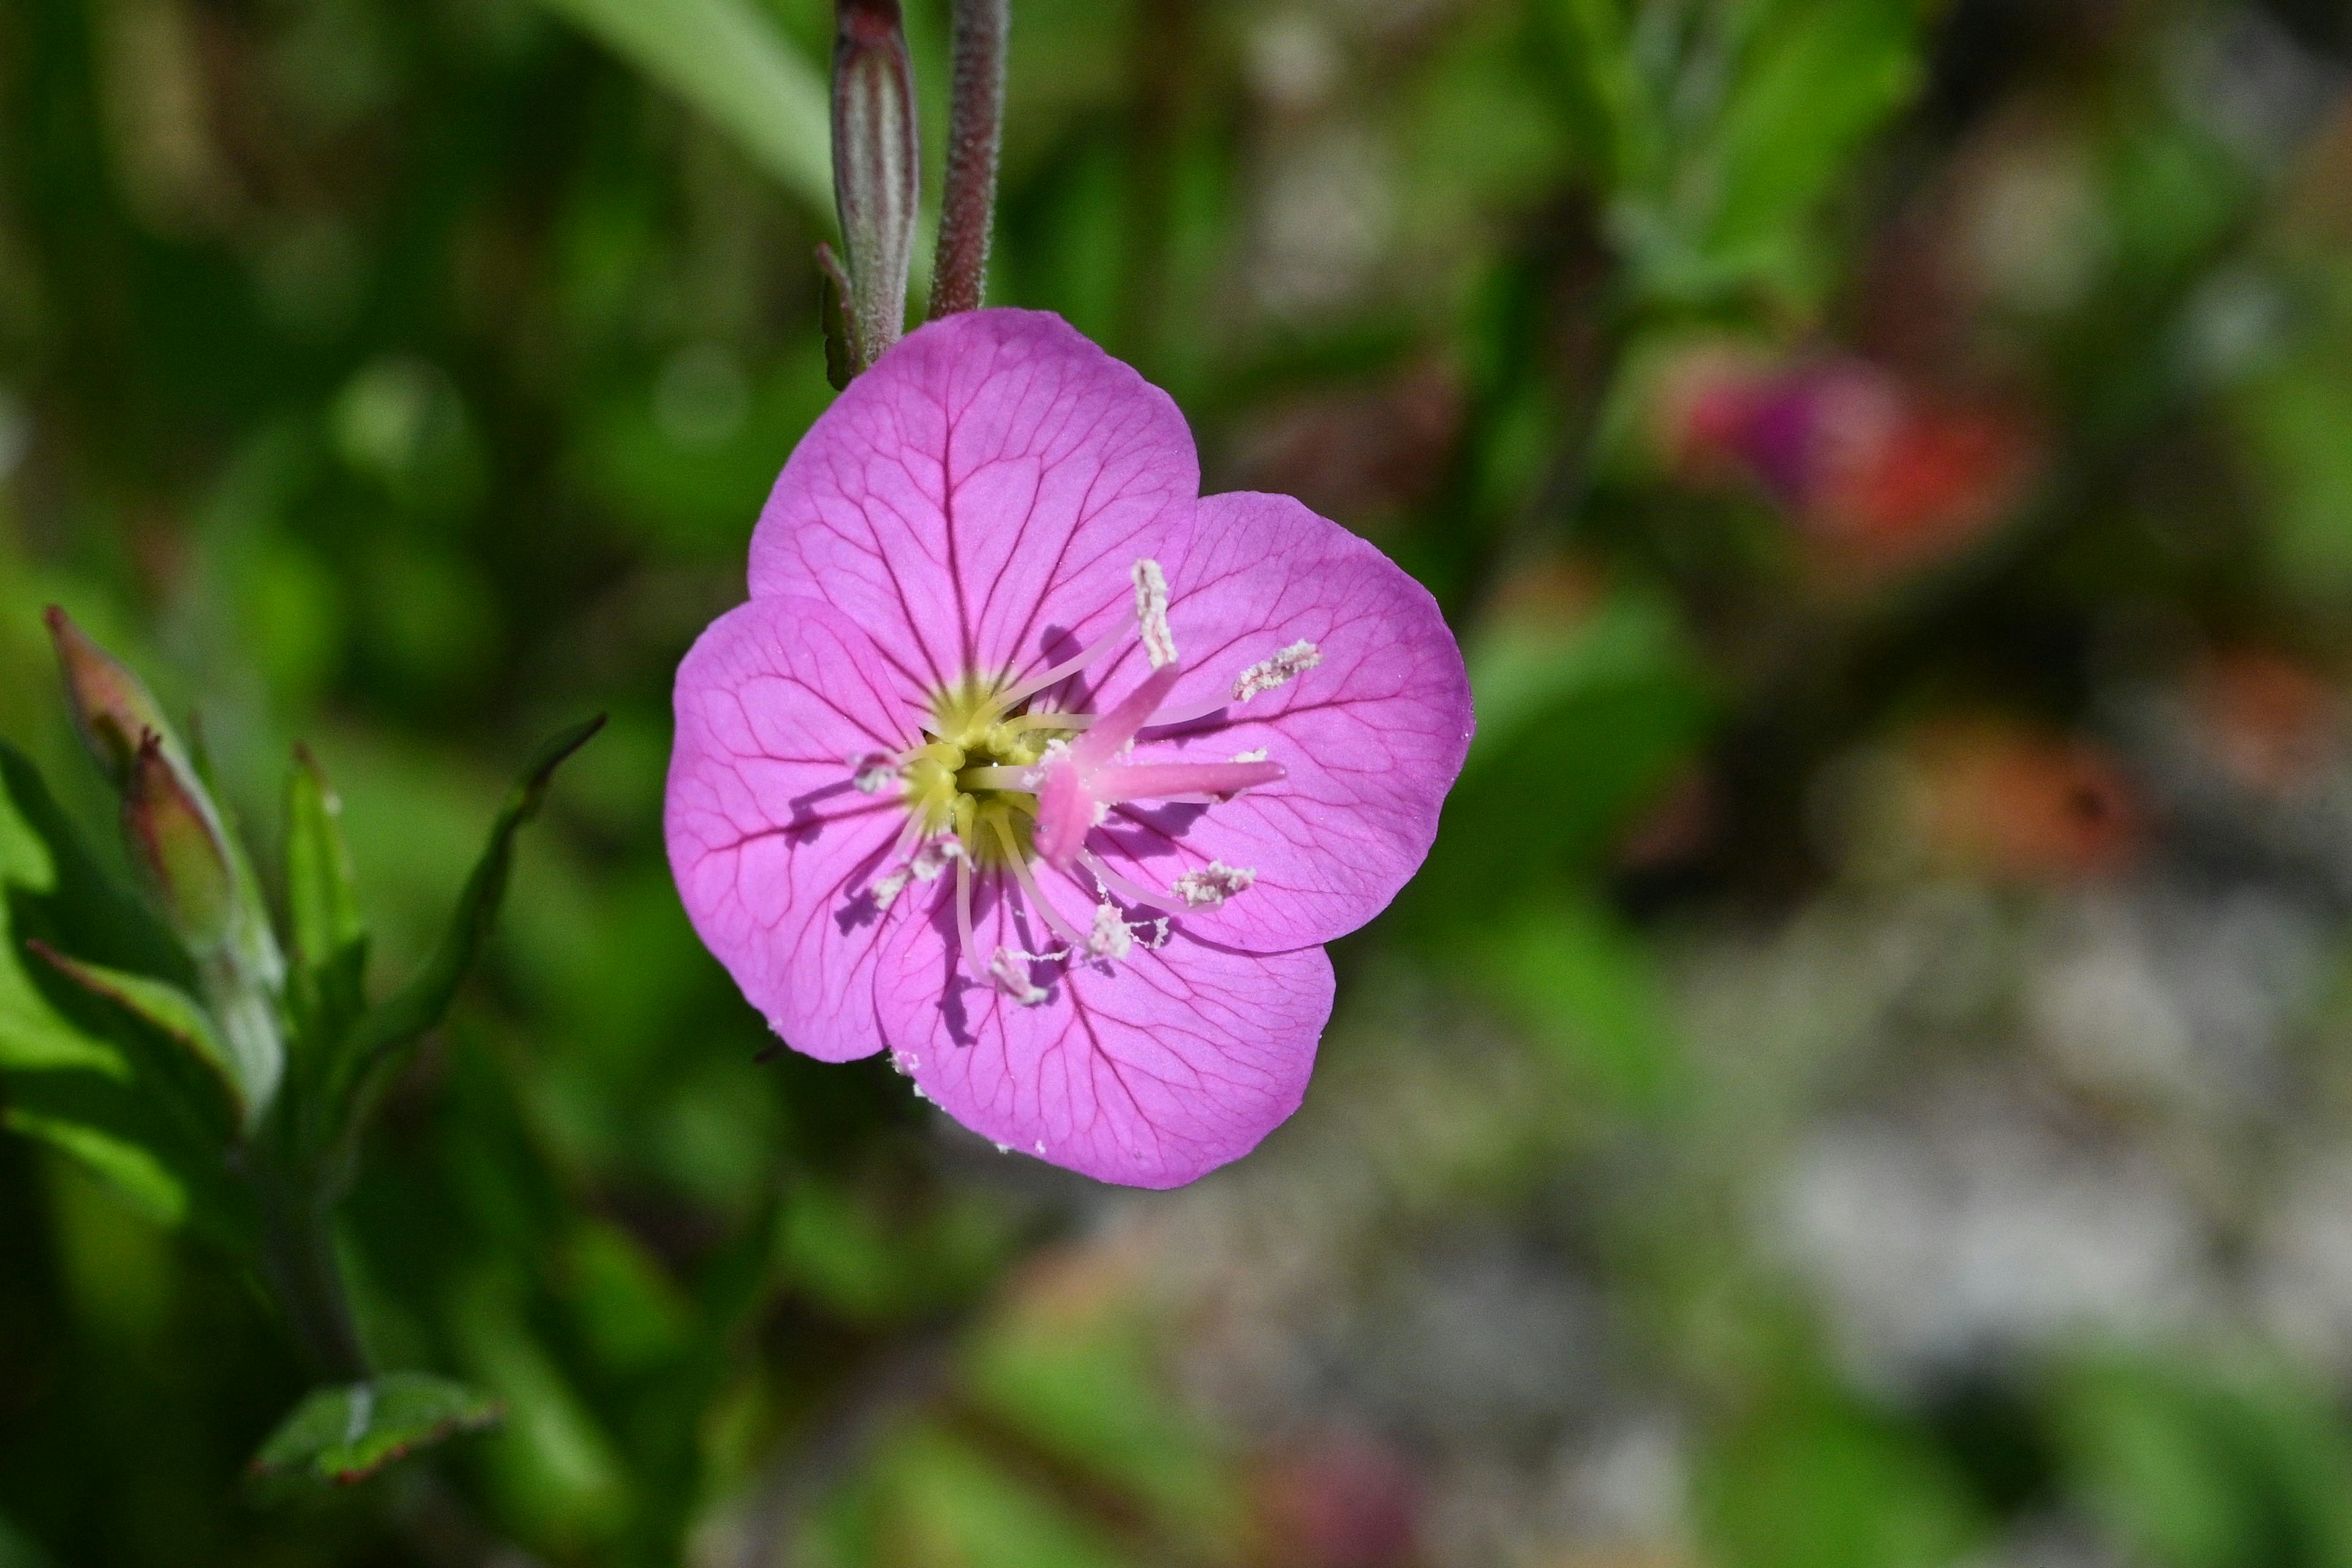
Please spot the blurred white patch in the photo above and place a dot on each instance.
(1326, 214)
(1987, 1237)
(2302, 1268)
(1294, 61)
(2244, 78)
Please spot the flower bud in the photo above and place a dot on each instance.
(113, 708)
(876, 170)
(174, 838)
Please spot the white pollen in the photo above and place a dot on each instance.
(920, 1095)
(1041, 1146)
(1283, 667)
(886, 890)
(935, 857)
(1010, 969)
(1212, 884)
(1110, 938)
(1005, 1148)
(1151, 612)
(1159, 934)
(1256, 756)
(873, 771)
(924, 866)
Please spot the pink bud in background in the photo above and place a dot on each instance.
(113, 708)
(1876, 472)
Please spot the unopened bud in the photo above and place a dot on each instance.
(174, 837)
(112, 707)
(876, 170)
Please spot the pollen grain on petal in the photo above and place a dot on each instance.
(1209, 885)
(1010, 969)
(1111, 937)
(1283, 667)
(1151, 612)
(872, 772)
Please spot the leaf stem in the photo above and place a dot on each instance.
(975, 135)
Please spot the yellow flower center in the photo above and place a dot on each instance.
(946, 785)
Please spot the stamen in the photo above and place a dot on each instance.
(1061, 925)
(964, 918)
(874, 771)
(1051, 719)
(1005, 701)
(1151, 612)
(1212, 884)
(1127, 887)
(1283, 666)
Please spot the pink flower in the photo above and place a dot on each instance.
(1033, 767)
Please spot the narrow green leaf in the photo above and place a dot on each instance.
(731, 64)
(78, 1072)
(1814, 88)
(123, 1164)
(341, 1435)
(418, 1007)
(322, 898)
(171, 1011)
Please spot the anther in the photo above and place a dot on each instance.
(1283, 667)
(1151, 612)
(1010, 969)
(1212, 884)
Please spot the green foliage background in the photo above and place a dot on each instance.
(404, 377)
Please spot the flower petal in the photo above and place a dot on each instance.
(1372, 735)
(1149, 1072)
(771, 842)
(977, 499)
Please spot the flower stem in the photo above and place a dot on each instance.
(300, 1262)
(975, 132)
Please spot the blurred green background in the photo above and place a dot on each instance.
(1865, 1079)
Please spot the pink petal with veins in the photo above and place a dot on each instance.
(770, 839)
(1149, 1072)
(978, 498)
(1371, 738)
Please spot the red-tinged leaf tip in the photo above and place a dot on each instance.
(112, 707)
(175, 840)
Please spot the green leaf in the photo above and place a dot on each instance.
(1588, 994)
(1578, 729)
(730, 63)
(1818, 1482)
(48, 1108)
(1812, 89)
(401, 1018)
(1608, 100)
(944, 1500)
(90, 1075)
(322, 900)
(164, 1007)
(341, 1435)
